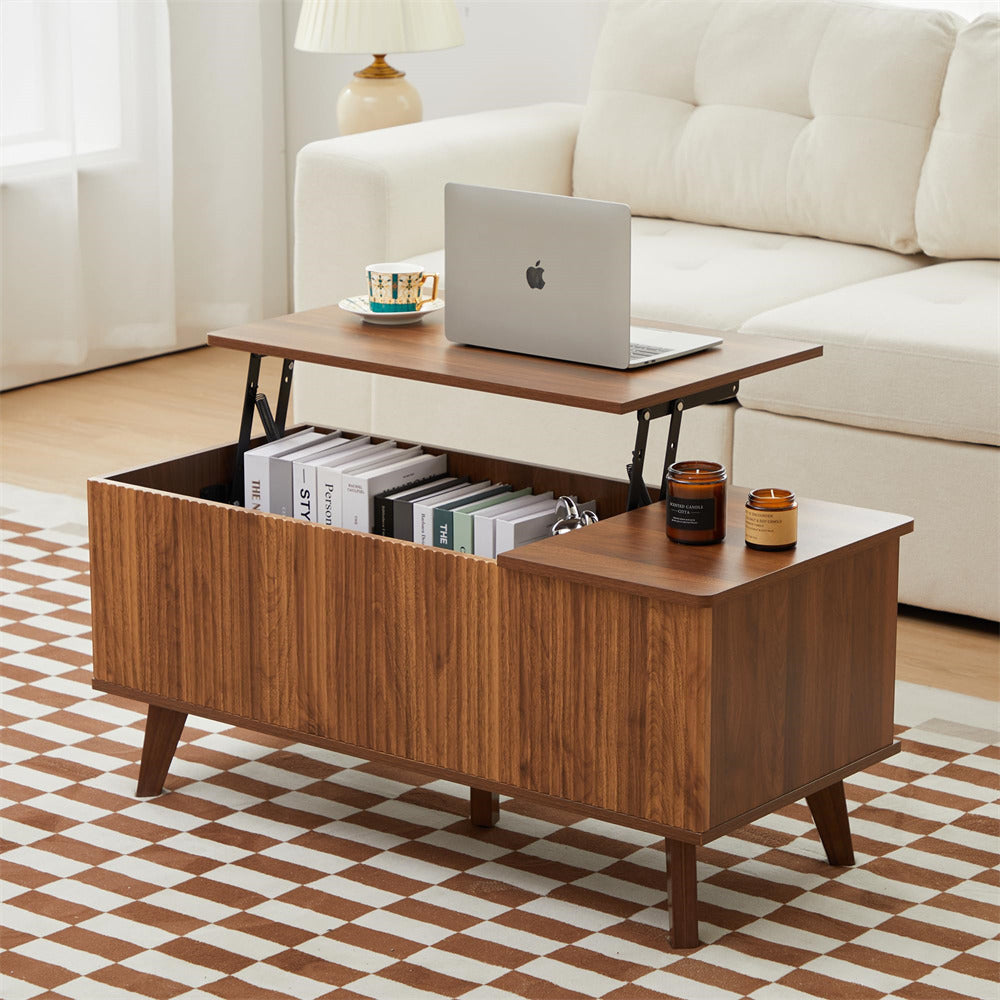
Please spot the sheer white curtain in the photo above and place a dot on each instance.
(85, 189)
(141, 178)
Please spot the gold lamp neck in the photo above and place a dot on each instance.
(379, 70)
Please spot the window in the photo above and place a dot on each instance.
(61, 71)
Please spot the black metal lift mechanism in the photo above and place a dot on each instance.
(274, 428)
(638, 495)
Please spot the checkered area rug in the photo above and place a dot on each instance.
(271, 869)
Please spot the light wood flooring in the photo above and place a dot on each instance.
(55, 435)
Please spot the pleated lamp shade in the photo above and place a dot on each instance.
(378, 26)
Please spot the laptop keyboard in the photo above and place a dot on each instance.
(639, 351)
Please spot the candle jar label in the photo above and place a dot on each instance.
(694, 515)
(772, 527)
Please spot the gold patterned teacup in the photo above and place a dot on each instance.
(396, 287)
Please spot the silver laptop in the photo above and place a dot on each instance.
(548, 275)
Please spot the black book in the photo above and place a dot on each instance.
(402, 506)
(382, 523)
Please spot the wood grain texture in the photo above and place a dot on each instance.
(405, 764)
(484, 807)
(605, 698)
(631, 553)
(676, 716)
(829, 811)
(384, 644)
(682, 894)
(802, 677)
(328, 336)
(163, 730)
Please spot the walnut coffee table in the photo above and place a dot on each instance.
(686, 691)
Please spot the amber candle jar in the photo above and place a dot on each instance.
(696, 503)
(772, 520)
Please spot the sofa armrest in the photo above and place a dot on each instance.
(379, 196)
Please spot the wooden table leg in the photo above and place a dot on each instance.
(484, 807)
(829, 811)
(163, 730)
(682, 894)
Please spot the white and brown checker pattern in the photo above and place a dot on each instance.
(278, 870)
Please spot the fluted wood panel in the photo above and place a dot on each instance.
(384, 644)
(169, 596)
(605, 698)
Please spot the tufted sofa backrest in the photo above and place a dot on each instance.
(810, 117)
(958, 202)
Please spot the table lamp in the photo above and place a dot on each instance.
(379, 96)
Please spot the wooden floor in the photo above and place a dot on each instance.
(55, 435)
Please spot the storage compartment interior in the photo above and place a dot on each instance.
(188, 475)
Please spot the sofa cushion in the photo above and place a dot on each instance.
(917, 353)
(803, 118)
(718, 277)
(958, 201)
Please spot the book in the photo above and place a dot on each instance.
(360, 488)
(382, 524)
(282, 471)
(444, 516)
(465, 517)
(423, 511)
(329, 477)
(402, 506)
(257, 466)
(530, 526)
(305, 496)
(484, 522)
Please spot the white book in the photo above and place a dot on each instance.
(305, 502)
(423, 512)
(484, 523)
(330, 477)
(531, 527)
(257, 463)
(282, 469)
(361, 488)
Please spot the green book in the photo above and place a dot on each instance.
(463, 525)
(443, 523)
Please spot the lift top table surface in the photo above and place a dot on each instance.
(420, 351)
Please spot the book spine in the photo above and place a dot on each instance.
(255, 482)
(423, 523)
(441, 532)
(305, 492)
(462, 539)
(354, 494)
(281, 486)
(482, 535)
(402, 519)
(383, 516)
(328, 496)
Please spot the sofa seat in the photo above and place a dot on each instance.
(714, 276)
(916, 353)
(719, 277)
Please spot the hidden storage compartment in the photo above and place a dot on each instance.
(374, 642)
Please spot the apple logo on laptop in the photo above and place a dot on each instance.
(534, 276)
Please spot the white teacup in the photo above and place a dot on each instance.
(396, 287)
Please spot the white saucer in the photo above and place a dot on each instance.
(358, 304)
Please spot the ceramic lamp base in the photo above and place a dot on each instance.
(366, 104)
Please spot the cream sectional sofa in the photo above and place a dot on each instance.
(821, 171)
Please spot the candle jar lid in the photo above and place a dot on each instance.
(771, 499)
(696, 472)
